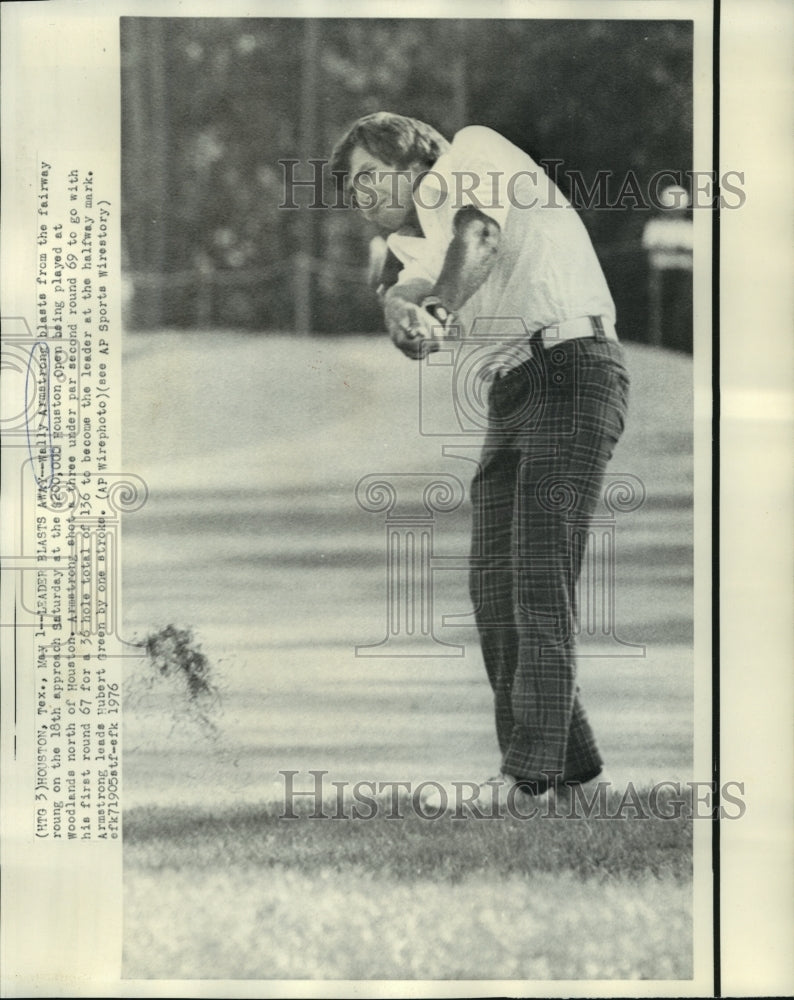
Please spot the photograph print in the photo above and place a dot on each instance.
(413, 337)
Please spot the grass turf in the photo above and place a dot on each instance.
(237, 893)
(247, 922)
(250, 894)
(443, 849)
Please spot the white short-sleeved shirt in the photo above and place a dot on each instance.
(547, 270)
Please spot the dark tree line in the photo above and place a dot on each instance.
(211, 105)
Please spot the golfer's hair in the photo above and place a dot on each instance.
(394, 139)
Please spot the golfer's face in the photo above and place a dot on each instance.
(382, 193)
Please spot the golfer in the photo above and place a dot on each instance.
(488, 250)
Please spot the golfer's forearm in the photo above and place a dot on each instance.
(410, 291)
(470, 258)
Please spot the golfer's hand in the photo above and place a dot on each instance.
(410, 327)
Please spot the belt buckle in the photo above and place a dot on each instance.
(546, 336)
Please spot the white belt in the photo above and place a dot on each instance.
(548, 336)
(573, 329)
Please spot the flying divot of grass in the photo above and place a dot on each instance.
(175, 655)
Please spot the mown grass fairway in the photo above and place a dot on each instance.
(407, 898)
(252, 449)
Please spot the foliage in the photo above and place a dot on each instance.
(211, 105)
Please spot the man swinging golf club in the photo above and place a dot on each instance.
(490, 247)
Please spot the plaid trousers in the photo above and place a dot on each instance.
(553, 423)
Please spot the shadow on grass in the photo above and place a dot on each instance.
(400, 843)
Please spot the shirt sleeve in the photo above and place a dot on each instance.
(472, 173)
(420, 257)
